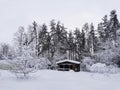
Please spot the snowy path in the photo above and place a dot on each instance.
(57, 80)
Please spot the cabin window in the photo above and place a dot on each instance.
(61, 66)
(66, 66)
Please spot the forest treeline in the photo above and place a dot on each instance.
(55, 42)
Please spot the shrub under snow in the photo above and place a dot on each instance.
(103, 68)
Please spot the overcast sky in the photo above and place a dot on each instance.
(73, 13)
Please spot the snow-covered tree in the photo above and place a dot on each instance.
(19, 40)
(91, 41)
(44, 42)
(113, 26)
(22, 65)
(79, 44)
(6, 51)
(58, 40)
(86, 30)
(71, 46)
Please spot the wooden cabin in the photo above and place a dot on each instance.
(66, 65)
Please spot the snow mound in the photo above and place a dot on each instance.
(103, 68)
(4, 65)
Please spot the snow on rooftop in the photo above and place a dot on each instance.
(67, 60)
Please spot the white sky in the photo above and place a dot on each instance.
(73, 13)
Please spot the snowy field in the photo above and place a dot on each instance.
(58, 80)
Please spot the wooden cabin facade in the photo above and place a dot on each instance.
(66, 65)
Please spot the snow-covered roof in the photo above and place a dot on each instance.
(67, 60)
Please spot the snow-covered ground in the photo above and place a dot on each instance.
(59, 80)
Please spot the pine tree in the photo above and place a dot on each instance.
(85, 29)
(35, 33)
(83, 39)
(71, 45)
(42, 40)
(113, 25)
(58, 40)
(52, 33)
(79, 44)
(103, 29)
(91, 40)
